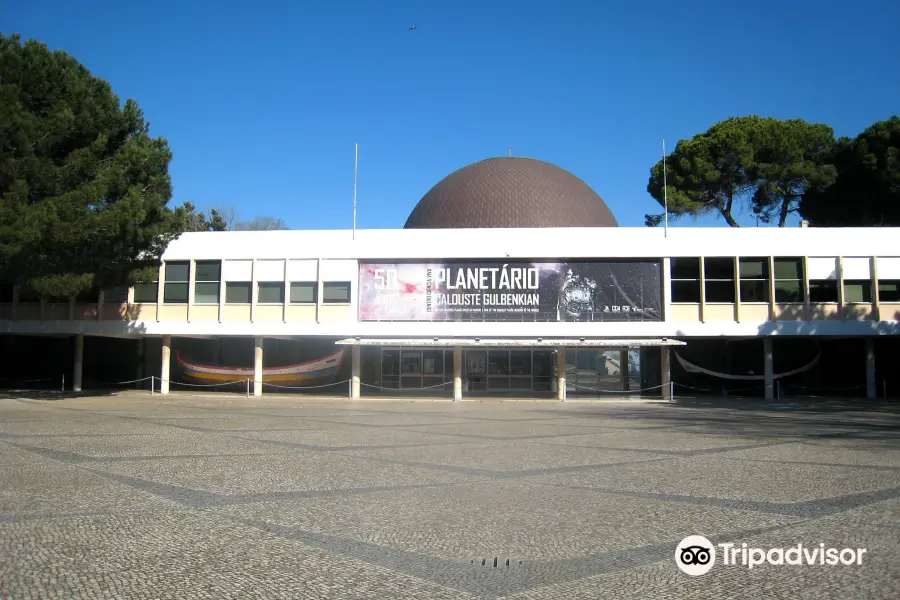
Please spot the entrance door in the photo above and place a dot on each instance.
(476, 370)
(411, 373)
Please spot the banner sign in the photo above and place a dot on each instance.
(475, 291)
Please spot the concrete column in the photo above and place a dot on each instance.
(561, 373)
(870, 368)
(258, 366)
(79, 362)
(355, 360)
(457, 373)
(769, 368)
(164, 370)
(737, 289)
(876, 299)
(665, 373)
(702, 289)
(623, 369)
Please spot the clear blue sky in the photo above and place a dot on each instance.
(263, 101)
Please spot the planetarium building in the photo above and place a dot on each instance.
(510, 278)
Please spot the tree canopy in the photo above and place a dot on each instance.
(232, 222)
(84, 186)
(867, 189)
(762, 164)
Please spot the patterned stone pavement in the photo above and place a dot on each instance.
(131, 496)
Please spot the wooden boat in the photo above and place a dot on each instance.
(320, 368)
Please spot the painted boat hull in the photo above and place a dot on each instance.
(320, 368)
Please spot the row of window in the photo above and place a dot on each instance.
(241, 292)
(753, 279)
(207, 287)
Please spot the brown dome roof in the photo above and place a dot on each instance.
(510, 192)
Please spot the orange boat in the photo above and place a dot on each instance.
(321, 368)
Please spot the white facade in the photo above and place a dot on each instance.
(322, 256)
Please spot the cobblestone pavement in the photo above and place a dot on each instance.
(130, 496)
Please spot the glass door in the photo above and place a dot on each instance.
(542, 369)
(609, 370)
(476, 370)
(411, 365)
(520, 370)
(498, 370)
(433, 370)
(390, 369)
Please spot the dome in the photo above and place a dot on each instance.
(509, 192)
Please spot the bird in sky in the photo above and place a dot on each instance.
(413, 27)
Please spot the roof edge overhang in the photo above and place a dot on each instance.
(521, 343)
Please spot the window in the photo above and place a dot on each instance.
(823, 291)
(788, 280)
(270, 292)
(207, 275)
(177, 282)
(146, 293)
(858, 291)
(238, 292)
(754, 273)
(520, 362)
(719, 275)
(118, 295)
(685, 279)
(26, 295)
(498, 362)
(889, 291)
(303, 292)
(433, 362)
(336, 292)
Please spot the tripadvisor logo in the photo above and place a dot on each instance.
(696, 555)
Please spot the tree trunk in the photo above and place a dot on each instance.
(785, 208)
(728, 218)
(726, 212)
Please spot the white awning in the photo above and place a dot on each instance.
(522, 343)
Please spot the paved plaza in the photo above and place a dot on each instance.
(227, 497)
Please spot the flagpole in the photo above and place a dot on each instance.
(355, 176)
(665, 191)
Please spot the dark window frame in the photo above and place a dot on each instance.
(7, 293)
(140, 287)
(682, 287)
(248, 285)
(893, 295)
(207, 281)
(314, 286)
(718, 282)
(818, 286)
(333, 284)
(754, 283)
(109, 295)
(865, 286)
(170, 282)
(269, 285)
(797, 278)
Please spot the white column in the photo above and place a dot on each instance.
(258, 366)
(769, 368)
(667, 288)
(457, 373)
(79, 362)
(164, 370)
(355, 360)
(561, 373)
(665, 373)
(870, 368)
